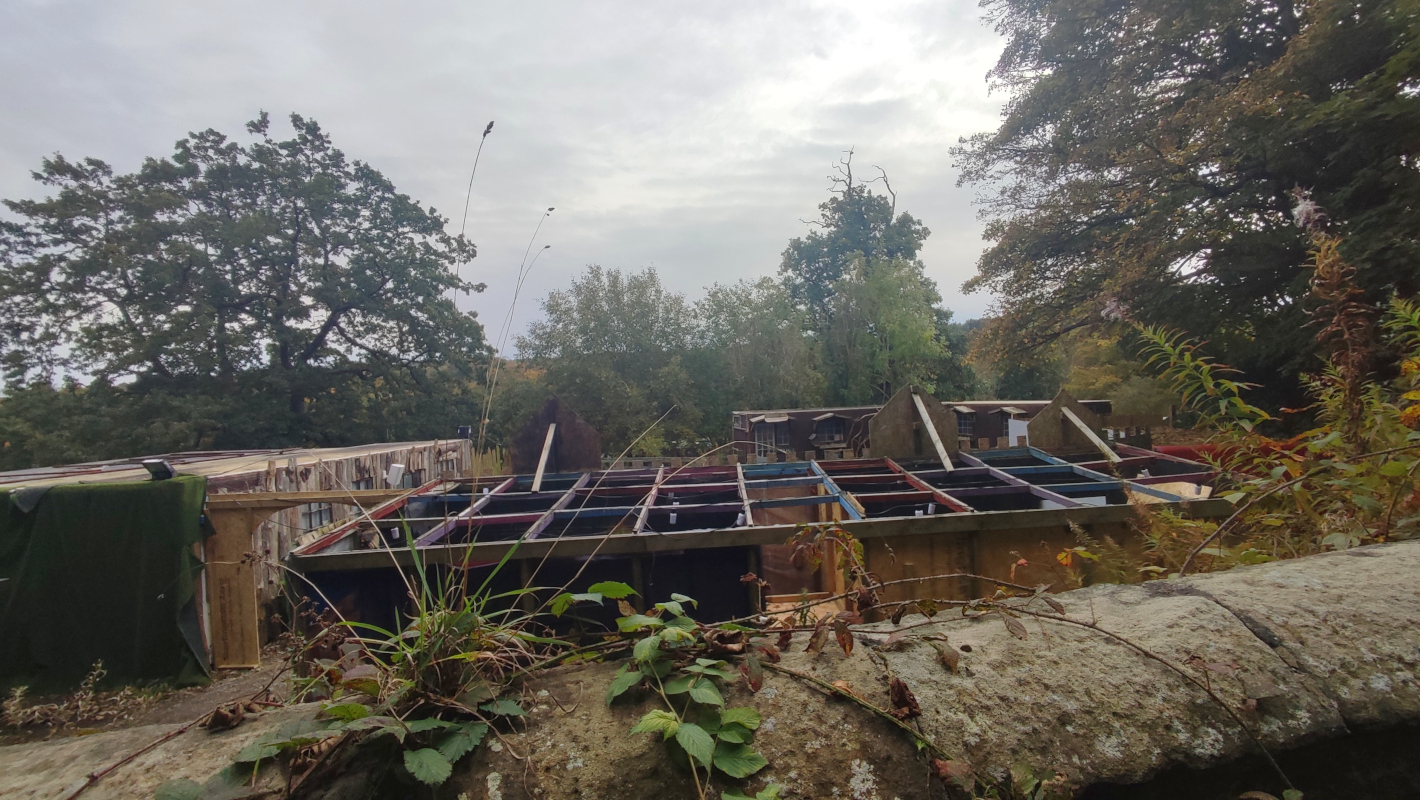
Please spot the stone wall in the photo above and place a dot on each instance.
(1327, 647)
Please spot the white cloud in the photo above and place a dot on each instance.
(689, 137)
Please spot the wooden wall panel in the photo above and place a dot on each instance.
(232, 591)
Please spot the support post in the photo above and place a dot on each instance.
(932, 431)
(542, 459)
(1094, 438)
(744, 495)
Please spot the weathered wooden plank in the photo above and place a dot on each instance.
(942, 497)
(1093, 438)
(231, 589)
(542, 459)
(986, 522)
(744, 493)
(278, 500)
(649, 500)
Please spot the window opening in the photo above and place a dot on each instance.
(966, 425)
(316, 515)
(764, 440)
(830, 431)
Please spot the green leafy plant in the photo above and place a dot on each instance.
(1349, 481)
(1201, 381)
(669, 656)
(435, 688)
(770, 792)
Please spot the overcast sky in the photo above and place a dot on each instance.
(692, 137)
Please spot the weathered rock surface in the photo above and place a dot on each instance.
(1324, 645)
(56, 768)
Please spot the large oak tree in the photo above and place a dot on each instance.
(1150, 149)
(265, 293)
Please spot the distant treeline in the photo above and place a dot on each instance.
(1152, 165)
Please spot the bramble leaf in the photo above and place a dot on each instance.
(561, 603)
(657, 668)
(738, 760)
(257, 751)
(680, 598)
(422, 725)
(676, 635)
(736, 733)
(636, 622)
(428, 765)
(658, 721)
(704, 691)
(696, 742)
(681, 623)
(680, 684)
(379, 724)
(647, 648)
(461, 739)
(616, 590)
(732, 626)
(347, 712)
(624, 679)
(817, 638)
(744, 715)
(504, 708)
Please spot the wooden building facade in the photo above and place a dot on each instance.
(791, 434)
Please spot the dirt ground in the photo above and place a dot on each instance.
(161, 706)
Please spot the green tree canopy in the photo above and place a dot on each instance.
(271, 293)
(614, 346)
(758, 349)
(884, 334)
(854, 223)
(1150, 149)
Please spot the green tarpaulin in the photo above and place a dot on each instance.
(101, 572)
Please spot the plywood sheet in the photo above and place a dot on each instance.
(231, 590)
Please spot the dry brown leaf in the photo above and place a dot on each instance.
(904, 704)
(785, 638)
(225, 716)
(818, 637)
(844, 636)
(948, 655)
(753, 672)
(1013, 625)
(954, 773)
(1054, 605)
(626, 609)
